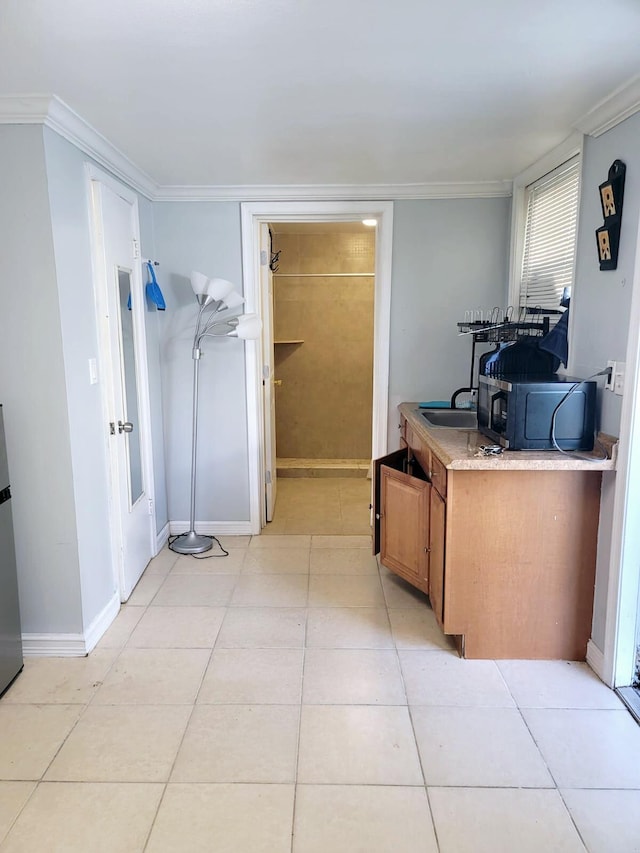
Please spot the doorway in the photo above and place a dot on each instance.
(123, 375)
(260, 372)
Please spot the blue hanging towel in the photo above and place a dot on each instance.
(154, 294)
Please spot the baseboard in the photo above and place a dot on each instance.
(595, 659)
(72, 645)
(162, 537)
(102, 621)
(54, 645)
(213, 528)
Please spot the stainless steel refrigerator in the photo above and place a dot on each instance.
(10, 634)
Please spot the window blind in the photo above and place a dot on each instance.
(550, 236)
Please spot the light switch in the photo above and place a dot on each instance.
(93, 371)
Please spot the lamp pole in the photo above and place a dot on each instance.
(192, 542)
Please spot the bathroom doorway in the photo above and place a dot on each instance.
(323, 284)
(318, 216)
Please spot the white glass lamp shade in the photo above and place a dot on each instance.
(219, 288)
(199, 282)
(249, 327)
(233, 300)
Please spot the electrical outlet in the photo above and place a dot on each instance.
(608, 386)
(618, 378)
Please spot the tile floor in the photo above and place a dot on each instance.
(322, 505)
(296, 698)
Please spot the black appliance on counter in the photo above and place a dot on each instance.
(10, 635)
(517, 411)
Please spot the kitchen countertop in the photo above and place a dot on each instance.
(457, 449)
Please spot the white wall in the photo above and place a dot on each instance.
(449, 256)
(33, 391)
(72, 247)
(600, 307)
(204, 237)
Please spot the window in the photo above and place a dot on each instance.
(550, 229)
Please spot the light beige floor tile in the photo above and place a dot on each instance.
(30, 736)
(122, 744)
(162, 563)
(414, 628)
(263, 627)
(13, 796)
(319, 508)
(375, 819)
(145, 590)
(341, 542)
(196, 590)
(224, 819)
(356, 525)
(78, 817)
(348, 627)
(271, 591)
(177, 628)
(345, 591)
(216, 564)
(440, 678)
(399, 594)
(233, 543)
(343, 561)
(502, 820)
(276, 527)
(66, 681)
(588, 749)
(121, 628)
(606, 820)
(277, 561)
(239, 743)
(478, 747)
(280, 542)
(154, 677)
(556, 684)
(253, 677)
(314, 526)
(357, 745)
(352, 677)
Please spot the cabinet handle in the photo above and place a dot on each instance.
(427, 550)
(378, 516)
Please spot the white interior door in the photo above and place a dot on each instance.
(268, 378)
(124, 372)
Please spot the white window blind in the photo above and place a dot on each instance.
(550, 236)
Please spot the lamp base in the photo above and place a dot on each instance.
(191, 543)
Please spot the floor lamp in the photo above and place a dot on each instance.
(214, 295)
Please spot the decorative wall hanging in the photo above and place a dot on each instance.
(611, 198)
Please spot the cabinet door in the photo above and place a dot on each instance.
(399, 460)
(436, 555)
(404, 528)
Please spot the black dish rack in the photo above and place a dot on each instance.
(502, 328)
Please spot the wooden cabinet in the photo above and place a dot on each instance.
(436, 554)
(507, 556)
(405, 536)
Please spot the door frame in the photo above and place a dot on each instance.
(254, 213)
(95, 175)
(617, 663)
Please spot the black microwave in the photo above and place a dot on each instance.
(517, 412)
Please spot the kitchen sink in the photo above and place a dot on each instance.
(450, 418)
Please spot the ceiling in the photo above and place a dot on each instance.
(281, 92)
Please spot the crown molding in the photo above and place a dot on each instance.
(610, 111)
(335, 192)
(51, 112)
